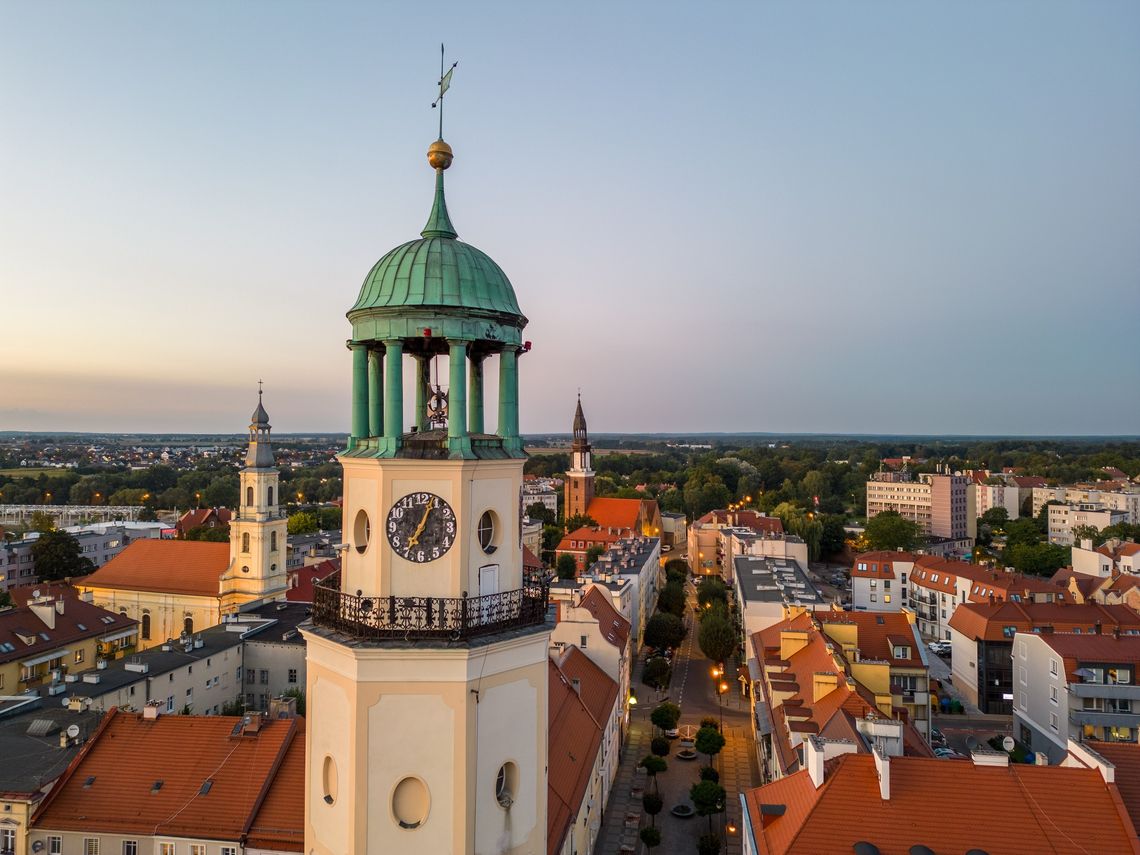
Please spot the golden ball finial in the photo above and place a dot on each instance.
(439, 155)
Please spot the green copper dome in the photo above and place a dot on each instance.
(435, 275)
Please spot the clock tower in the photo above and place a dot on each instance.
(580, 476)
(427, 655)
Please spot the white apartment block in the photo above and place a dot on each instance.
(879, 581)
(989, 496)
(1112, 558)
(1127, 500)
(1064, 518)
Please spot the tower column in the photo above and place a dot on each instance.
(393, 392)
(359, 391)
(423, 391)
(509, 399)
(475, 395)
(458, 440)
(375, 393)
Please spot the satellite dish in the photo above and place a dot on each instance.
(972, 742)
(65, 701)
(73, 731)
(35, 593)
(1007, 743)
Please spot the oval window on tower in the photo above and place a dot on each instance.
(506, 784)
(328, 779)
(410, 803)
(361, 530)
(487, 531)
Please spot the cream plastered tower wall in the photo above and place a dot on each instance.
(472, 487)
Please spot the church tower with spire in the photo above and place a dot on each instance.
(428, 653)
(580, 476)
(258, 530)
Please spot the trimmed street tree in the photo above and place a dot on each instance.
(716, 637)
(653, 766)
(709, 742)
(651, 837)
(708, 799)
(672, 598)
(652, 803)
(666, 715)
(664, 630)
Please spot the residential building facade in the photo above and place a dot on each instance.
(942, 503)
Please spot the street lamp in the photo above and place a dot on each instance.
(721, 688)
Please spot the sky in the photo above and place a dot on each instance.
(880, 217)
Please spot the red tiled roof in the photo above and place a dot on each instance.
(1077, 648)
(79, 621)
(615, 513)
(590, 536)
(597, 690)
(23, 593)
(848, 808)
(573, 742)
(305, 577)
(531, 561)
(878, 634)
(280, 821)
(1125, 756)
(1026, 481)
(201, 516)
(128, 756)
(170, 566)
(745, 519)
(614, 627)
(987, 621)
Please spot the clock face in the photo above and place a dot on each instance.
(421, 527)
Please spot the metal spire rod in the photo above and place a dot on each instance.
(444, 85)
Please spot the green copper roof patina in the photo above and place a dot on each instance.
(439, 282)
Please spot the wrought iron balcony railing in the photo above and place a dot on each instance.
(408, 618)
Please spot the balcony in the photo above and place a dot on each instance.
(1105, 690)
(1104, 719)
(412, 618)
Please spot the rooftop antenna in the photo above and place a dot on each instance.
(444, 85)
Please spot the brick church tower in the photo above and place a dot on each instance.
(580, 476)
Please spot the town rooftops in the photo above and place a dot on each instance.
(744, 519)
(943, 574)
(1125, 757)
(940, 805)
(1106, 649)
(302, 579)
(880, 635)
(170, 566)
(583, 538)
(621, 514)
(773, 580)
(279, 824)
(173, 775)
(998, 621)
(41, 630)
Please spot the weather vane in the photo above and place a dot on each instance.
(444, 85)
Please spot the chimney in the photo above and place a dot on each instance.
(63, 740)
(823, 683)
(883, 769)
(1097, 628)
(59, 606)
(814, 759)
(1116, 630)
(150, 711)
(44, 611)
(792, 641)
(284, 706)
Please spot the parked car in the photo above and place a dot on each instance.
(940, 648)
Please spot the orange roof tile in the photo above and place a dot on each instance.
(819, 821)
(280, 821)
(744, 519)
(170, 566)
(987, 621)
(615, 513)
(597, 690)
(1125, 756)
(879, 633)
(303, 578)
(573, 742)
(113, 786)
(588, 535)
(614, 627)
(531, 561)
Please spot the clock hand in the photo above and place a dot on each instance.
(415, 538)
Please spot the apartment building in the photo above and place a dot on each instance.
(740, 540)
(879, 581)
(1114, 557)
(982, 637)
(705, 552)
(766, 586)
(1078, 687)
(1116, 496)
(1064, 518)
(942, 504)
(636, 560)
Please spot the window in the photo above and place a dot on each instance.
(228, 850)
(582, 642)
(886, 584)
(130, 847)
(874, 583)
(250, 675)
(170, 704)
(1021, 700)
(901, 652)
(7, 840)
(886, 598)
(874, 598)
(270, 500)
(90, 846)
(1054, 667)
(264, 677)
(486, 532)
(1021, 674)
(188, 625)
(245, 541)
(248, 496)
(1021, 649)
(197, 849)
(55, 845)
(1053, 695)
(1053, 721)
(145, 625)
(293, 675)
(272, 541)
(166, 849)
(79, 656)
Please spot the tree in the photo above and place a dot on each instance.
(659, 745)
(5, 600)
(235, 707)
(42, 521)
(709, 742)
(653, 766)
(58, 555)
(1023, 531)
(803, 524)
(566, 567)
(656, 672)
(672, 599)
(995, 517)
(651, 835)
(833, 538)
(593, 554)
(1039, 559)
(666, 715)
(664, 630)
(652, 803)
(331, 519)
(302, 522)
(716, 637)
(539, 511)
(708, 798)
(580, 521)
(890, 531)
(709, 844)
(676, 570)
(711, 589)
(298, 693)
(215, 534)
